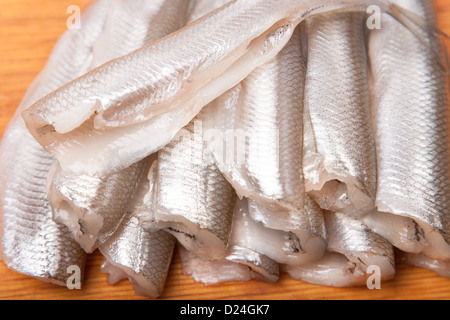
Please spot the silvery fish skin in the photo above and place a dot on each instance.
(244, 259)
(267, 124)
(134, 253)
(306, 228)
(337, 102)
(132, 24)
(193, 200)
(90, 206)
(31, 242)
(136, 104)
(441, 267)
(410, 116)
(352, 250)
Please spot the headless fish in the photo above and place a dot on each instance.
(193, 200)
(260, 123)
(352, 250)
(93, 207)
(130, 107)
(340, 161)
(288, 247)
(305, 230)
(31, 242)
(141, 256)
(244, 259)
(410, 116)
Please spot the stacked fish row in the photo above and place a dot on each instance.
(263, 136)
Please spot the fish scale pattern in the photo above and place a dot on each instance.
(337, 97)
(190, 184)
(411, 117)
(147, 254)
(106, 199)
(270, 117)
(32, 243)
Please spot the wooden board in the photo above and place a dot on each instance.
(28, 31)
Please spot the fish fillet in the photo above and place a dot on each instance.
(90, 206)
(130, 107)
(288, 247)
(261, 150)
(337, 104)
(31, 242)
(193, 200)
(305, 228)
(134, 253)
(245, 258)
(410, 116)
(352, 249)
(404, 233)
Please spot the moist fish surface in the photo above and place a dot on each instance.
(410, 116)
(93, 207)
(264, 126)
(441, 267)
(303, 229)
(280, 246)
(241, 268)
(337, 106)
(244, 260)
(192, 199)
(130, 107)
(31, 242)
(353, 250)
(132, 252)
(403, 232)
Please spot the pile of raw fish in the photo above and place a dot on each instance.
(262, 136)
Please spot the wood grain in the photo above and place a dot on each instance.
(28, 32)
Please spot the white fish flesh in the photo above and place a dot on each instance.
(217, 271)
(98, 127)
(92, 208)
(352, 249)
(441, 267)
(304, 228)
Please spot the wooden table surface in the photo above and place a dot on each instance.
(28, 31)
